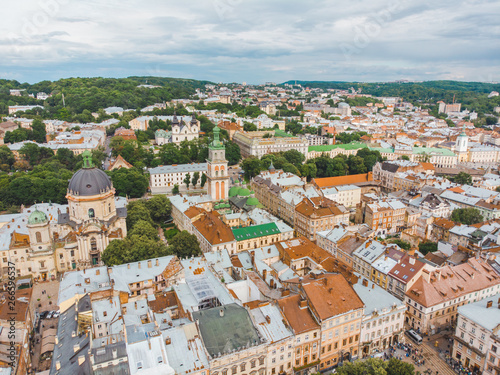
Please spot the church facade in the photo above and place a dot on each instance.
(47, 239)
(181, 131)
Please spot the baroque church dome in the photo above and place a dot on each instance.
(89, 180)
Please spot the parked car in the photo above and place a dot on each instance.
(43, 315)
(49, 315)
(56, 314)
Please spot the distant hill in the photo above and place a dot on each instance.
(93, 93)
(472, 95)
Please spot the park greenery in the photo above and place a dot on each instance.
(467, 216)
(376, 366)
(472, 95)
(427, 247)
(82, 96)
(462, 178)
(144, 217)
(323, 166)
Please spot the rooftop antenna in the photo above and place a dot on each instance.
(64, 103)
(453, 98)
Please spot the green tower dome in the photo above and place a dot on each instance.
(252, 201)
(244, 192)
(234, 191)
(37, 217)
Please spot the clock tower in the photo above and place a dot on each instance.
(217, 174)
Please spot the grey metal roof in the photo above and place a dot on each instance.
(226, 328)
(70, 345)
(89, 181)
(179, 168)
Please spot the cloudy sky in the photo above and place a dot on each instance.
(252, 40)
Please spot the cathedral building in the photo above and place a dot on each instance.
(47, 239)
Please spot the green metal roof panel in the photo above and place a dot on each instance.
(255, 231)
(433, 150)
(347, 146)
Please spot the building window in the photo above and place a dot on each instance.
(91, 213)
(38, 236)
(93, 244)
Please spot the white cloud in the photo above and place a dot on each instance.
(253, 41)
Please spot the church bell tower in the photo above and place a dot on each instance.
(217, 174)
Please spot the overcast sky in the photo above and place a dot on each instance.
(251, 40)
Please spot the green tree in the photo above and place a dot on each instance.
(195, 179)
(137, 211)
(463, 179)
(203, 180)
(184, 245)
(467, 216)
(129, 182)
(404, 157)
(491, 120)
(114, 253)
(175, 189)
(293, 127)
(39, 133)
(144, 228)
(427, 247)
(356, 164)
(66, 157)
(160, 208)
(371, 366)
(233, 154)
(295, 157)
(398, 367)
(249, 127)
(252, 166)
(369, 157)
(187, 180)
(402, 244)
(7, 158)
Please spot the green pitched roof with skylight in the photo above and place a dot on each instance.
(255, 231)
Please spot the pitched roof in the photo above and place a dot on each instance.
(406, 269)
(318, 207)
(299, 318)
(343, 180)
(255, 231)
(120, 163)
(213, 229)
(331, 295)
(451, 282)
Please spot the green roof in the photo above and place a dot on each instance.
(37, 217)
(433, 150)
(347, 146)
(244, 192)
(382, 149)
(252, 201)
(234, 191)
(255, 231)
(281, 133)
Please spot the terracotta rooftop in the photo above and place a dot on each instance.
(451, 282)
(343, 180)
(331, 295)
(444, 223)
(213, 229)
(163, 301)
(318, 207)
(22, 302)
(404, 271)
(119, 160)
(194, 211)
(299, 317)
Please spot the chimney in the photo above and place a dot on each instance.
(135, 305)
(128, 266)
(426, 275)
(139, 265)
(268, 319)
(373, 286)
(303, 303)
(365, 282)
(221, 312)
(264, 274)
(168, 341)
(157, 263)
(149, 264)
(412, 260)
(489, 304)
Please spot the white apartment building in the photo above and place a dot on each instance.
(254, 144)
(477, 344)
(348, 195)
(162, 179)
(383, 320)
